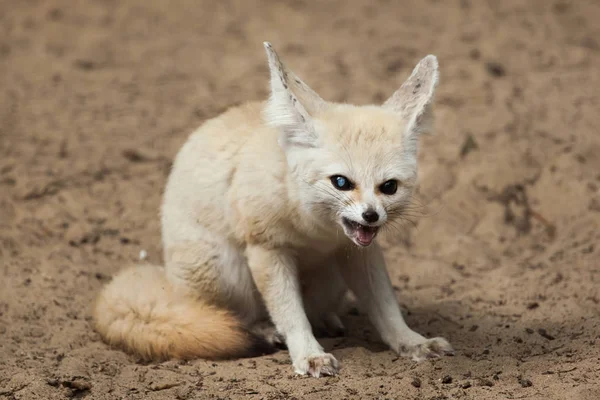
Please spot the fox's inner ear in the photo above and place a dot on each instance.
(292, 105)
(413, 101)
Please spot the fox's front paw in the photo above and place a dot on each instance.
(428, 349)
(317, 365)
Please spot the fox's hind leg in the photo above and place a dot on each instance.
(268, 331)
(215, 270)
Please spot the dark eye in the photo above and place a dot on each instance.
(341, 182)
(389, 187)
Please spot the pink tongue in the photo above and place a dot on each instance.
(365, 236)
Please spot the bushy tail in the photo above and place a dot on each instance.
(141, 313)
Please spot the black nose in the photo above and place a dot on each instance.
(370, 216)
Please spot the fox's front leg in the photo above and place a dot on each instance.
(276, 277)
(365, 273)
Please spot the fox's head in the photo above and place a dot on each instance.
(355, 166)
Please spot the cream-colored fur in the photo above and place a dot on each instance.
(258, 228)
(142, 312)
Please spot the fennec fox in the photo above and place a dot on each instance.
(269, 217)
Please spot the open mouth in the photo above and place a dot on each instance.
(360, 234)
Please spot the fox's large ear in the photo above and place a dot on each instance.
(292, 105)
(413, 101)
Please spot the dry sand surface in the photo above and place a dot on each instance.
(96, 97)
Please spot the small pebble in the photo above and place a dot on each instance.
(495, 69)
(524, 382)
(53, 382)
(486, 382)
(544, 333)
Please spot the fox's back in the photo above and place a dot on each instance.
(224, 155)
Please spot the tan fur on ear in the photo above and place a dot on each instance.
(292, 103)
(413, 101)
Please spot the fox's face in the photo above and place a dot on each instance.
(359, 174)
(354, 165)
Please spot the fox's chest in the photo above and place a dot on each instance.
(317, 252)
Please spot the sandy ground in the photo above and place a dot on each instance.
(97, 96)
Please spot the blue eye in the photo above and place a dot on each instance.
(341, 183)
